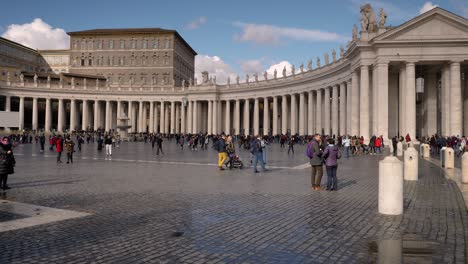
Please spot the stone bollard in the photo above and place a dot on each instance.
(449, 158)
(425, 151)
(390, 251)
(464, 166)
(391, 186)
(442, 156)
(399, 152)
(411, 165)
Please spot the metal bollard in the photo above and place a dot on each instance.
(464, 167)
(391, 186)
(449, 158)
(411, 164)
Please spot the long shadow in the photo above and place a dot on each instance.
(33, 184)
(344, 184)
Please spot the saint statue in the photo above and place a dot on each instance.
(247, 78)
(355, 31)
(284, 72)
(256, 77)
(293, 70)
(190, 82)
(309, 65)
(22, 77)
(333, 55)
(302, 67)
(265, 76)
(183, 82)
(327, 59)
(214, 79)
(48, 79)
(228, 80)
(382, 18)
(35, 78)
(275, 74)
(237, 79)
(318, 62)
(341, 51)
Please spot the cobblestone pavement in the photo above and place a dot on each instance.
(178, 208)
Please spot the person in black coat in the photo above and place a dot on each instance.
(7, 162)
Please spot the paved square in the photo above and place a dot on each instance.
(178, 208)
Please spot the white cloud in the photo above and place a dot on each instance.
(198, 22)
(38, 35)
(252, 66)
(270, 34)
(426, 7)
(215, 66)
(279, 69)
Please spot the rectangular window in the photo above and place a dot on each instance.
(145, 44)
(111, 44)
(82, 62)
(122, 44)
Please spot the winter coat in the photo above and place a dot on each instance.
(7, 161)
(331, 155)
(316, 159)
(378, 142)
(69, 145)
(59, 144)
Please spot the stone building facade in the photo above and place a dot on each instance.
(388, 81)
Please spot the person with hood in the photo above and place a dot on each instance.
(7, 162)
(59, 148)
(331, 154)
(69, 146)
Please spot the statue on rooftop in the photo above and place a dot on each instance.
(318, 62)
(284, 72)
(301, 67)
(237, 79)
(382, 18)
(293, 70)
(275, 74)
(333, 55)
(265, 76)
(327, 59)
(368, 20)
(228, 80)
(341, 51)
(256, 77)
(309, 65)
(355, 31)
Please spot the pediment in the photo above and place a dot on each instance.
(437, 24)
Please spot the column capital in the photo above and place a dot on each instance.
(455, 62)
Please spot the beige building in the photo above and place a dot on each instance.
(388, 81)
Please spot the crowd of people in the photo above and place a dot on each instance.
(321, 150)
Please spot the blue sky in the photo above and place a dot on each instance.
(279, 30)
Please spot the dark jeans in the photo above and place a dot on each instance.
(316, 176)
(346, 150)
(159, 148)
(291, 148)
(70, 157)
(59, 155)
(332, 181)
(258, 158)
(3, 180)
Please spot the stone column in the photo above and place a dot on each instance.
(364, 103)
(129, 115)
(177, 118)
(456, 109)
(318, 113)
(266, 116)
(84, 115)
(310, 116)
(173, 117)
(210, 117)
(214, 117)
(445, 100)
(48, 115)
(430, 90)
(119, 113)
(96, 115)
(7, 103)
(61, 116)
(21, 113)
(246, 117)
(256, 117)
(410, 100)
(343, 109)
(284, 115)
(34, 114)
(190, 117)
(161, 118)
(348, 107)
(301, 114)
(195, 117)
(151, 117)
(293, 115)
(237, 117)
(108, 115)
(382, 100)
(326, 107)
(72, 114)
(275, 116)
(228, 117)
(166, 121)
(335, 111)
(355, 104)
(183, 121)
(140, 117)
(402, 101)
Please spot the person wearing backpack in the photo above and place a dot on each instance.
(314, 153)
(257, 152)
(221, 148)
(331, 156)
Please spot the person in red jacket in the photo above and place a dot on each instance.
(378, 145)
(59, 148)
(407, 138)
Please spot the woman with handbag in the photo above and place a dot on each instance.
(331, 156)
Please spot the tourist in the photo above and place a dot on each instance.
(52, 142)
(108, 144)
(378, 145)
(395, 145)
(7, 162)
(256, 150)
(159, 141)
(221, 148)
(314, 153)
(291, 145)
(263, 144)
(230, 151)
(346, 143)
(331, 155)
(42, 142)
(69, 146)
(59, 148)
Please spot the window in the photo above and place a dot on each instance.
(99, 44)
(122, 44)
(166, 59)
(111, 44)
(133, 44)
(155, 44)
(82, 62)
(75, 45)
(166, 44)
(83, 44)
(90, 44)
(145, 44)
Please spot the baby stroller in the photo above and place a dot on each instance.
(235, 162)
(365, 149)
